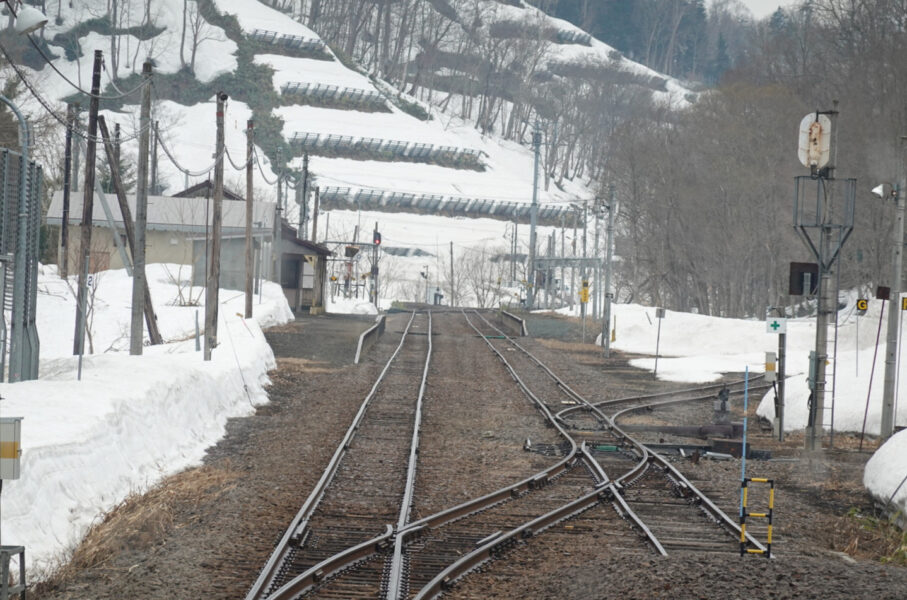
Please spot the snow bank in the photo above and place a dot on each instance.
(886, 473)
(131, 420)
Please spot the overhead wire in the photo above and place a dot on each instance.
(120, 94)
(183, 169)
(78, 131)
(261, 169)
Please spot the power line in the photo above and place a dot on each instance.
(61, 120)
(183, 169)
(260, 169)
(120, 95)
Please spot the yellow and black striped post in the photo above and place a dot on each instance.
(767, 515)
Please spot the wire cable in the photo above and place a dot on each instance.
(183, 169)
(79, 132)
(242, 167)
(261, 169)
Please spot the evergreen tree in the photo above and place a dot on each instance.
(721, 61)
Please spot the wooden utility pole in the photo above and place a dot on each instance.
(305, 196)
(249, 269)
(315, 215)
(76, 153)
(154, 190)
(67, 183)
(452, 296)
(213, 283)
(87, 203)
(146, 307)
(139, 282)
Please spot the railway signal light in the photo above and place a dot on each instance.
(376, 239)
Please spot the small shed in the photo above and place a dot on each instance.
(303, 270)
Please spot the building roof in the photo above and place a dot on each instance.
(291, 235)
(167, 213)
(206, 188)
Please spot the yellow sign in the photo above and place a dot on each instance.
(584, 295)
(862, 304)
(903, 303)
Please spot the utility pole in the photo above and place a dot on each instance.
(305, 193)
(573, 263)
(88, 202)
(213, 283)
(154, 134)
(139, 283)
(891, 346)
(303, 230)
(533, 215)
(67, 184)
(606, 316)
(315, 204)
(596, 289)
(76, 153)
(120, 191)
(452, 295)
(249, 191)
(375, 253)
(116, 147)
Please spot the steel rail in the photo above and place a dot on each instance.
(651, 455)
(395, 580)
(616, 496)
(332, 565)
(517, 488)
(300, 521)
(483, 553)
(655, 396)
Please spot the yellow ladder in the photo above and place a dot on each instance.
(744, 515)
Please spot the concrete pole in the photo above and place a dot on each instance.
(533, 215)
(67, 185)
(606, 316)
(596, 288)
(141, 218)
(315, 207)
(782, 364)
(213, 284)
(76, 154)
(891, 346)
(250, 131)
(87, 200)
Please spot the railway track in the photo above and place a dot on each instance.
(599, 477)
(365, 486)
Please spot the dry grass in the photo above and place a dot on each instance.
(871, 537)
(303, 364)
(141, 520)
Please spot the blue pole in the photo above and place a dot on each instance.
(746, 396)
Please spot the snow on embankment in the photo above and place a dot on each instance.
(131, 420)
(886, 473)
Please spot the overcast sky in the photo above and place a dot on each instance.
(763, 8)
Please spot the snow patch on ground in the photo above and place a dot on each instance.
(131, 420)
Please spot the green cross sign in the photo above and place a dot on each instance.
(776, 325)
